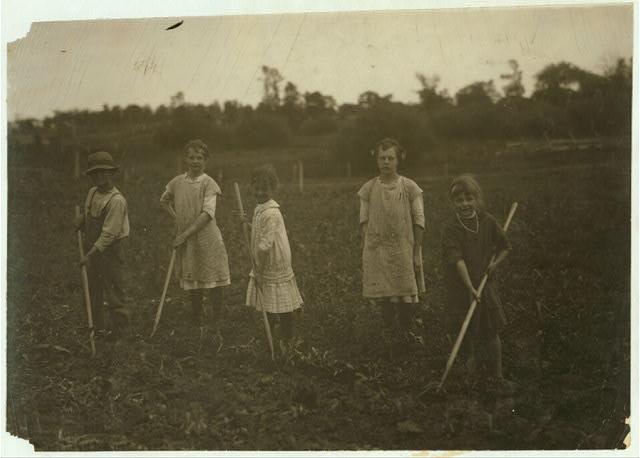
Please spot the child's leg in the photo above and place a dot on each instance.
(286, 326)
(196, 305)
(494, 353)
(215, 298)
(273, 319)
(405, 315)
(114, 284)
(388, 310)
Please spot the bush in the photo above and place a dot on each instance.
(319, 125)
(259, 130)
(406, 124)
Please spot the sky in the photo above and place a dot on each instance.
(85, 64)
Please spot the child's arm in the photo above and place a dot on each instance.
(497, 261)
(418, 234)
(364, 217)
(363, 229)
(208, 214)
(111, 228)
(78, 222)
(502, 246)
(269, 226)
(417, 214)
(461, 267)
(453, 255)
(169, 209)
(166, 202)
(201, 221)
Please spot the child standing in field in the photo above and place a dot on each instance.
(469, 240)
(392, 223)
(201, 257)
(272, 284)
(105, 224)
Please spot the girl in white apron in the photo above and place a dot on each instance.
(392, 223)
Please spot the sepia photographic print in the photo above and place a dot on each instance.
(403, 230)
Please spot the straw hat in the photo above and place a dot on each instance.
(100, 161)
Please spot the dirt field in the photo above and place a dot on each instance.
(565, 289)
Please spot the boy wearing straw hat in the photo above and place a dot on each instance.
(105, 224)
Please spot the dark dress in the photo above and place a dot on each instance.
(476, 249)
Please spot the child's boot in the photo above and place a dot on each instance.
(388, 325)
(286, 331)
(119, 322)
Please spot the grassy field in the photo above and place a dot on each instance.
(565, 289)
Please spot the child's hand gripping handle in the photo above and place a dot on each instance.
(85, 286)
(245, 230)
(467, 320)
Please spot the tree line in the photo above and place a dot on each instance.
(567, 101)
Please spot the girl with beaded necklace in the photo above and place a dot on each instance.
(469, 240)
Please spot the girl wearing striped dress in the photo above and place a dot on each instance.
(272, 284)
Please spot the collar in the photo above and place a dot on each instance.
(266, 205)
(195, 180)
(393, 183)
(110, 192)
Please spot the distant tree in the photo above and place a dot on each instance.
(579, 95)
(293, 105)
(478, 93)
(430, 97)
(371, 99)
(271, 79)
(232, 111)
(513, 86)
(177, 100)
(161, 113)
(348, 110)
(317, 103)
(618, 97)
(357, 136)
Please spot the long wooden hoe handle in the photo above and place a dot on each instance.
(247, 240)
(164, 292)
(472, 307)
(85, 287)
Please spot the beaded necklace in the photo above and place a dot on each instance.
(467, 227)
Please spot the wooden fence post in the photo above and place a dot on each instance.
(301, 176)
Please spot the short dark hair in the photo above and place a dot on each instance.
(387, 143)
(197, 145)
(467, 183)
(268, 173)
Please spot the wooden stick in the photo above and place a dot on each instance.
(164, 292)
(85, 287)
(247, 239)
(472, 307)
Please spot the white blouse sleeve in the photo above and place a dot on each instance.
(209, 205)
(417, 211)
(267, 231)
